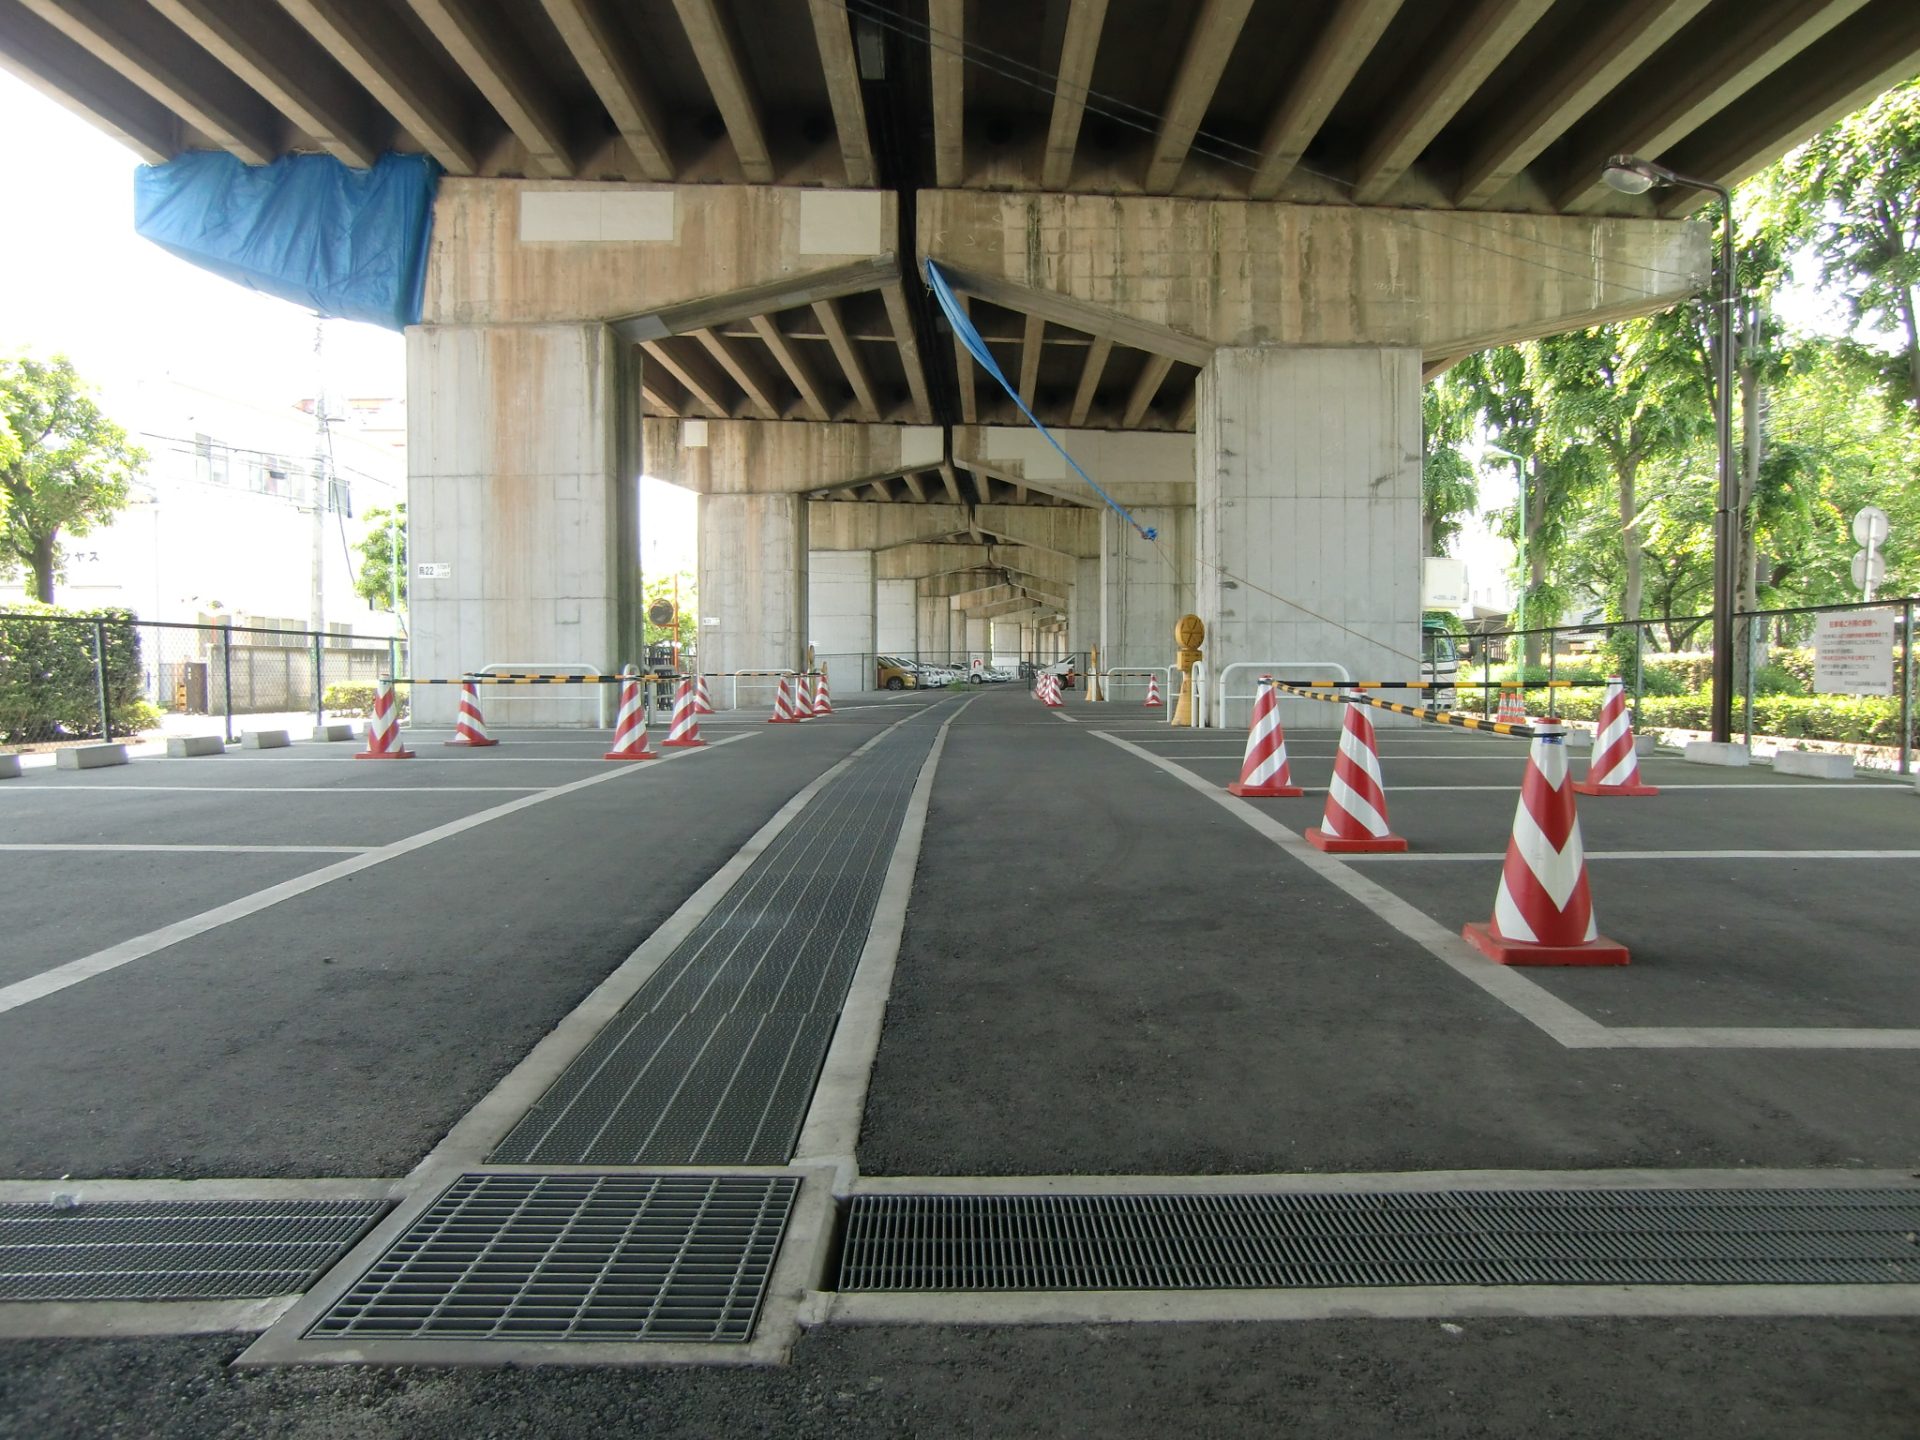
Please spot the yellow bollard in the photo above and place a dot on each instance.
(1189, 633)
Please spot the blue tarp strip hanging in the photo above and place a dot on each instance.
(345, 242)
(976, 347)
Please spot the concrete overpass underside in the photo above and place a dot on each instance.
(1217, 247)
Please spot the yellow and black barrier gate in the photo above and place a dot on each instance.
(1311, 690)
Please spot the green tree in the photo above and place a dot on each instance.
(64, 467)
(1449, 487)
(383, 558)
(687, 628)
(1853, 193)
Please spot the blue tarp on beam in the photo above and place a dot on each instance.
(345, 242)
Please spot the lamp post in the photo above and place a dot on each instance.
(1631, 175)
(1526, 576)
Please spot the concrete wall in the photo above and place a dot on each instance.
(523, 455)
(840, 614)
(753, 582)
(1309, 488)
(1145, 585)
(933, 619)
(894, 621)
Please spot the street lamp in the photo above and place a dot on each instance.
(1631, 175)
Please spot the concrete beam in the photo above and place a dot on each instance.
(745, 371)
(1434, 281)
(604, 56)
(841, 525)
(919, 562)
(1446, 81)
(1339, 50)
(1209, 46)
(1630, 32)
(1674, 96)
(1140, 399)
(1065, 531)
(812, 397)
(657, 259)
(852, 366)
(372, 47)
(68, 75)
(1143, 467)
(963, 368)
(495, 60)
(946, 19)
(164, 63)
(786, 457)
(1085, 18)
(1032, 337)
(902, 326)
(833, 35)
(262, 46)
(1090, 371)
(718, 56)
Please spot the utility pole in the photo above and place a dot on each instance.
(317, 605)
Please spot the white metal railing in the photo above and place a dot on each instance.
(1197, 716)
(1169, 693)
(605, 699)
(772, 677)
(1218, 718)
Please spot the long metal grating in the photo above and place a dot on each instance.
(714, 1060)
(1459, 1237)
(576, 1257)
(175, 1250)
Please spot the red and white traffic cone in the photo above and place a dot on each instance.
(383, 729)
(1153, 693)
(1355, 820)
(822, 700)
(702, 702)
(684, 729)
(1264, 773)
(803, 696)
(470, 728)
(630, 728)
(1543, 911)
(1614, 768)
(1050, 695)
(783, 705)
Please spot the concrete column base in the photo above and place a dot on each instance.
(1713, 752)
(89, 757)
(1813, 762)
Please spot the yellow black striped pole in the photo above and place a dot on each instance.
(1435, 717)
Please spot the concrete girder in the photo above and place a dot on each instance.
(835, 39)
(1073, 80)
(966, 583)
(717, 53)
(1341, 47)
(1145, 468)
(771, 457)
(946, 22)
(1019, 605)
(1425, 280)
(922, 561)
(496, 62)
(652, 258)
(1209, 47)
(604, 57)
(840, 526)
(1065, 530)
(81, 83)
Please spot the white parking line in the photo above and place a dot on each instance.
(208, 849)
(1661, 855)
(60, 977)
(287, 789)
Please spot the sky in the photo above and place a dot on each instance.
(76, 280)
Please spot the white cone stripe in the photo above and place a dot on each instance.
(1624, 771)
(1508, 922)
(1551, 762)
(1349, 800)
(1614, 731)
(1362, 755)
(1558, 871)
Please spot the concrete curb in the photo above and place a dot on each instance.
(335, 730)
(1813, 762)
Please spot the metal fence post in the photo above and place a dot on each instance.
(319, 718)
(1906, 687)
(1749, 696)
(100, 678)
(226, 679)
(1639, 670)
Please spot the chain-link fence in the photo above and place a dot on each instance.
(68, 678)
(1837, 678)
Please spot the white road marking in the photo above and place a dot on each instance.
(1664, 855)
(206, 849)
(110, 789)
(60, 977)
(1558, 1019)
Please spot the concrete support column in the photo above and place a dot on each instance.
(841, 609)
(894, 622)
(1308, 487)
(523, 459)
(933, 628)
(956, 647)
(1083, 606)
(979, 635)
(1145, 586)
(1005, 643)
(753, 583)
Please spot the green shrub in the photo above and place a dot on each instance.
(1775, 679)
(47, 689)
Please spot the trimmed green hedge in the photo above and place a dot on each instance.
(47, 689)
(1851, 719)
(356, 698)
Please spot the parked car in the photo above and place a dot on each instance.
(987, 675)
(892, 673)
(1061, 670)
(932, 677)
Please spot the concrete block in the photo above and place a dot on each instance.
(1645, 744)
(334, 730)
(9, 767)
(1579, 739)
(264, 739)
(180, 747)
(89, 757)
(1711, 752)
(1813, 762)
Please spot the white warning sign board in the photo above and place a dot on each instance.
(1853, 652)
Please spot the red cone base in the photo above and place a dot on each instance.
(473, 744)
(681, 744)
(1586, 787)
(1264, 792)
(1356, 845)
(383, 755)
(1502, 951)
(641, 754)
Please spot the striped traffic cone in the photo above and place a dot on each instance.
(783, 705)
(1614, 768)
(630, 728)
(1355, 821)
(1543, 911)
(470, 728)
(1050, 697)
(684, 730)
(1153, 693)
(383, 729)
(803, 696)
(822, 700)
(1264, 773)
(702, 702)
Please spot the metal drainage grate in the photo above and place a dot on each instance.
(1221, 1242)
(576, 1257)
(175, 1250)
(714, 1060)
